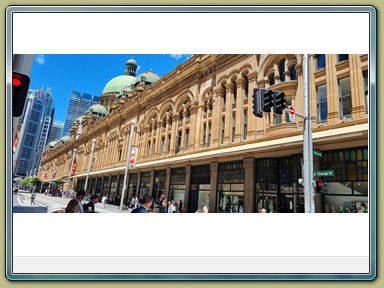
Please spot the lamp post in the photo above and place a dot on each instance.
(70, 168)
(127, 166)
(90, 164)
(53, 174)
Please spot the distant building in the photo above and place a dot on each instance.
(36, 123)
(56, 131)
(79, 103)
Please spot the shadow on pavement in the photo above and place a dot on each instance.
(26, 209)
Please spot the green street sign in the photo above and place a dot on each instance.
(324, 173)
(317, 153)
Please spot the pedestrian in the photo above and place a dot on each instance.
(180, 206)
(263, 210)
(75, 206)
(90, 206)
(206, 208)
(33, 196)
(144, 208)
(171, 207)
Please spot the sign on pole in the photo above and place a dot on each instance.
(317, 153)
(324, 173)
(292, 114)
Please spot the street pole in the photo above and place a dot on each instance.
(90, 163)
(42, 181)
(53, 172)
(70, 168)
(127, 166)
(307, 144)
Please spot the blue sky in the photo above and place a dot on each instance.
(89, 73)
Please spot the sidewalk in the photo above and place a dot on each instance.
(22, 200)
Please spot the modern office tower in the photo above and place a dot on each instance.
(79, 103)
(56, 131)
(35, 122)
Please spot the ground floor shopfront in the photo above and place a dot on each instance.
(245, 185)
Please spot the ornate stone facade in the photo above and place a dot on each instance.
(201, 114)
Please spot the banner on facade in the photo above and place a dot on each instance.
(93, 162)
(45, 175)
(53, 174)
(133, 157)
(74, 169)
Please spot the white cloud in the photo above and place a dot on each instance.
(176, 56)
(40, 59)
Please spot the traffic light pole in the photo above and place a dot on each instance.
(309, 202)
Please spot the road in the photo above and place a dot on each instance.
(22, 204)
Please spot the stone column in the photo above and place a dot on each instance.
(229, 88)
(167, 182)
(249, 185)
(251, 133)
(185, 114)
(214, 183)
(333, 103)
(159, 126)
(168, 120)
(357, 87)
(217, 117)
(192, 129)
(240, 84)
(188, 174)
(175, 119)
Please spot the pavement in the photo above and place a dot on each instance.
(22, 204)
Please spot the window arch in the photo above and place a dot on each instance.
(271, 79)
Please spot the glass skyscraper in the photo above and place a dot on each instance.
(36, 124)
(79, 103)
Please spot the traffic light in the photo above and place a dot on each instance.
(279, 103)
(257, 103)
(319, 186)
(20, 86)
(267, 96)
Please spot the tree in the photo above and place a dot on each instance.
(30, 182)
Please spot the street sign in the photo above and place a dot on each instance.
(317, 153)
(324, 173)
(292, 114)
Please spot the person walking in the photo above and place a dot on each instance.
(75, 206)
(33, 197)
(144, 208)
(90, 206)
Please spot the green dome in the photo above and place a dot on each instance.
(79, 120)
(150, 77)
(51, 144)
(98, 109)
(117, 84)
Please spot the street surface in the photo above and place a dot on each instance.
(22, 203)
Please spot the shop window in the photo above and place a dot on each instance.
(322, 105)
(345, 101)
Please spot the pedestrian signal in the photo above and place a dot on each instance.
(20, 86)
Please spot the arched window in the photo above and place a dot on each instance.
(292, 72)
(271, 79)
(282, 70)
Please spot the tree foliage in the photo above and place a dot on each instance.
(30, 182)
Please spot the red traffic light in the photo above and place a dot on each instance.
(319, 186)
(17, 80)
(20, 86)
